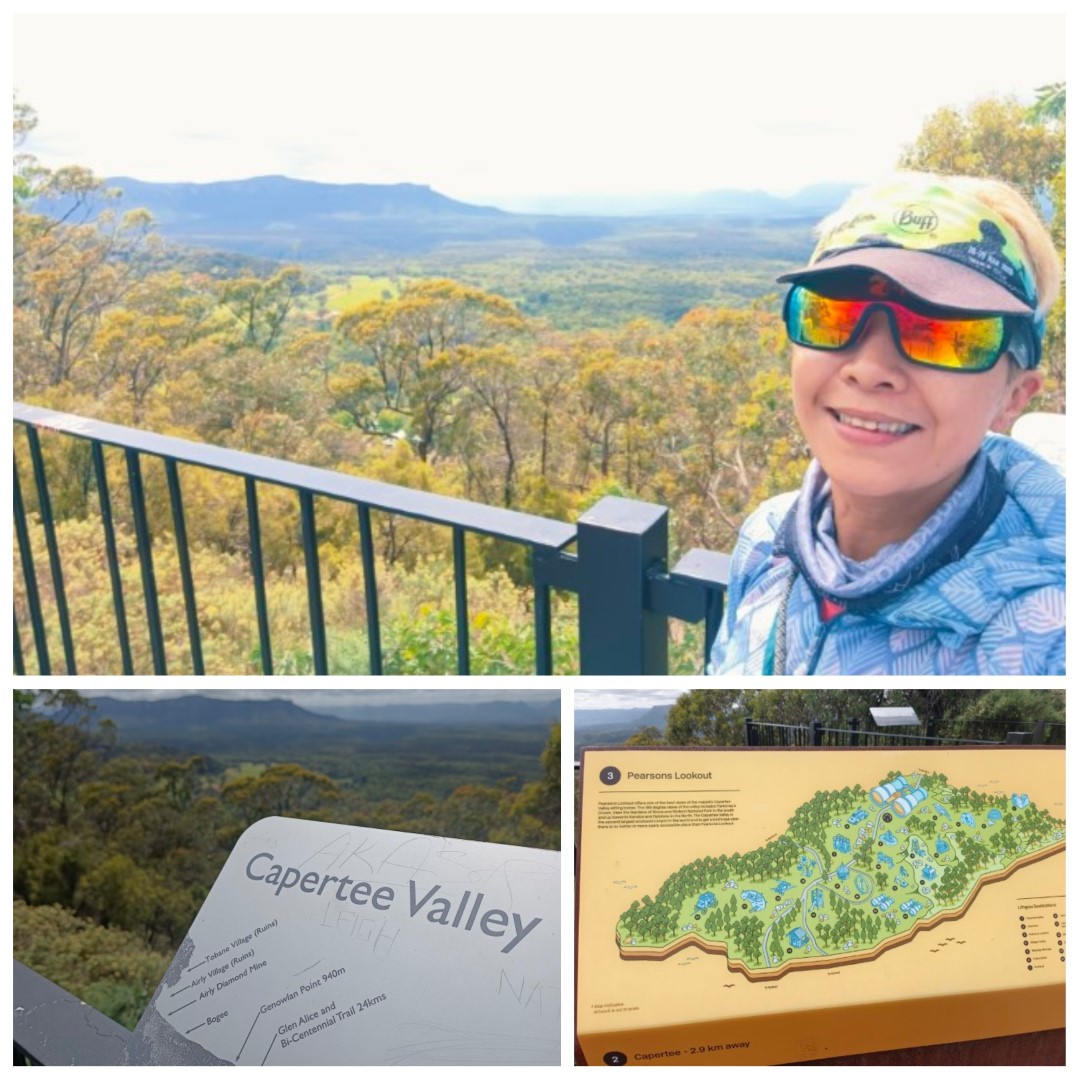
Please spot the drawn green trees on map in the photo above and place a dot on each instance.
(855, 868)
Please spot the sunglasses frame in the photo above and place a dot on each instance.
(1013, 337)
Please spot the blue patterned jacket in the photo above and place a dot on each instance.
(997, 610)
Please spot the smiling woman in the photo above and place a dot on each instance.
(918, 544)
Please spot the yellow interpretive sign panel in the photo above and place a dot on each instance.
(751, 907)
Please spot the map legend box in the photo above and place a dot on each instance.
(1042, 932)
(753, 907)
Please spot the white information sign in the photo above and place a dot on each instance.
(324, 944)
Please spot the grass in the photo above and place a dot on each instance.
(359, 289)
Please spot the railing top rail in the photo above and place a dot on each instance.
(900, 737)
(54, 1027)
(425, 506)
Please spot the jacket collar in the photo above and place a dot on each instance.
(806, 537)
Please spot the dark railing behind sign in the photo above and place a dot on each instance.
(53, 1027)
(865, 733)
(619, 568)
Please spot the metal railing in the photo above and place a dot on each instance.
(53, 1027)
(858, 733)
(626, 594)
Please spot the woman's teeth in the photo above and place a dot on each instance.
(888, 427)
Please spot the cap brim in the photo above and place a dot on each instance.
(936, 279)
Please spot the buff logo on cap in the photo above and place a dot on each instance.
(915, 219)
(920, 214)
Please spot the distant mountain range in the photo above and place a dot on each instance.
(196, 714)
(612, 727)
(279, 217)
(386, 751)
(278, 202)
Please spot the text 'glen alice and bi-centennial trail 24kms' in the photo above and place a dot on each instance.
(857, 872)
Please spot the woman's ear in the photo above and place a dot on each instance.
(1019, 390)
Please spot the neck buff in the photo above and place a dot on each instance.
(807, 536)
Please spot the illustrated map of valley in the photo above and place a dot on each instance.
(858, 872)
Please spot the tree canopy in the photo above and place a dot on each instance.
(719, 717)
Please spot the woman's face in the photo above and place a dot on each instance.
(884, 428)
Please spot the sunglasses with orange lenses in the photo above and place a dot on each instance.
(967, 343)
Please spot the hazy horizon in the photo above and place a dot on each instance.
(330, 702)
(594, 700)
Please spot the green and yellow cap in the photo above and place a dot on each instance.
(940, 244)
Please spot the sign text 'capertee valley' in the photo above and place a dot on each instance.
(465, 912)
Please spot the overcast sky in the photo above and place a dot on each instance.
(498, 107)
(585, 700)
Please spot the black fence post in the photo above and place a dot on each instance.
(618, 542)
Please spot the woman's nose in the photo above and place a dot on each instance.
(873, 361)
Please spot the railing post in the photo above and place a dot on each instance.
(33, 596)
(618, 541)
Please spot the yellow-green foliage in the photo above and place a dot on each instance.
(113, 970)
(417, 610)
(359, 289)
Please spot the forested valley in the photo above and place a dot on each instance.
(118, 843)
(421, 380)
